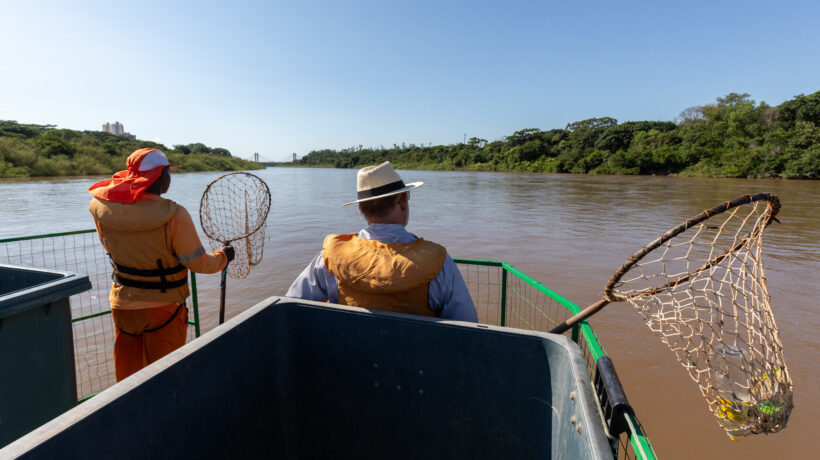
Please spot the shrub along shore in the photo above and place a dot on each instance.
(43, 150)
(733, 137)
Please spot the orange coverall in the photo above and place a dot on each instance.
(142, 335)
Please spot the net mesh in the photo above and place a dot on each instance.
(233, 211)
(703, 292)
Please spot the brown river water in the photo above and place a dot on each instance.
(568, 231)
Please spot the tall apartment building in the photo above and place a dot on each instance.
(117, 129)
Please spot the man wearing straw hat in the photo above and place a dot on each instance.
(152, 243)
(383, 266)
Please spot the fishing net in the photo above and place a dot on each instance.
(701, 288)
(233, 211)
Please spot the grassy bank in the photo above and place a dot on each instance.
(43, 150)
(732, 137)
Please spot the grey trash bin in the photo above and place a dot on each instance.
(37, 379)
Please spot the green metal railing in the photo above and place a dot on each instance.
(525, 303)
(503, 296)
(194, 322)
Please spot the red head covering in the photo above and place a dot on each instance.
(144, 168)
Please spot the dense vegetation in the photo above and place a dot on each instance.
(733, 137)
(35, 150)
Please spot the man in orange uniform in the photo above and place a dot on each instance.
(152, 243)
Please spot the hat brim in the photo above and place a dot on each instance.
(406, 188)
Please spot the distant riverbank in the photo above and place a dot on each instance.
(733, 137)
(45, 151)
(64, 168)
(489, 167)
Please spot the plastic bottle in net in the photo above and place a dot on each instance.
(731, 383)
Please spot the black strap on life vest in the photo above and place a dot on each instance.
(162, 285)
(139, 272)
(153, 329)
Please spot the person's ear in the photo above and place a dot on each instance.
(166, 179)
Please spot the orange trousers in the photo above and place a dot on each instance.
(134, 348)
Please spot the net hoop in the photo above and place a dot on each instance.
(233, 211)
(771, 211)
(704, 295)
(208, 225)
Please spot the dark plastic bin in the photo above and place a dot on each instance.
(294, 379)
(37, 380)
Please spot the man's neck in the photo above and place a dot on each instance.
(383, 221)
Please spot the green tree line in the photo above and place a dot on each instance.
(732, 137)
(28, 150)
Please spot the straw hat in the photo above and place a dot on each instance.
(373, 182)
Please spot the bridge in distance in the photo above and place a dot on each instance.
(257, 158)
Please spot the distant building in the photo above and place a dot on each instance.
(117, 129)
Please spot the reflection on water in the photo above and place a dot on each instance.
(570, 232)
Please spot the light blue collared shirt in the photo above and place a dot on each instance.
(447, 292)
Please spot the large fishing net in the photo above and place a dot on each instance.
(701, 288)
(233, 211)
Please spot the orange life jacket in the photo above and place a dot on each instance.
(134, 236)
(383, 276)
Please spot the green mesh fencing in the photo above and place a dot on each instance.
(505, 296)
(79, 252)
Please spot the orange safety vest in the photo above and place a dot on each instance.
(134, 236)
(383, 276)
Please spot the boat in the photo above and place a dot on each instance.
(305, 379)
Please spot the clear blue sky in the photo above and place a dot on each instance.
(280, 77)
